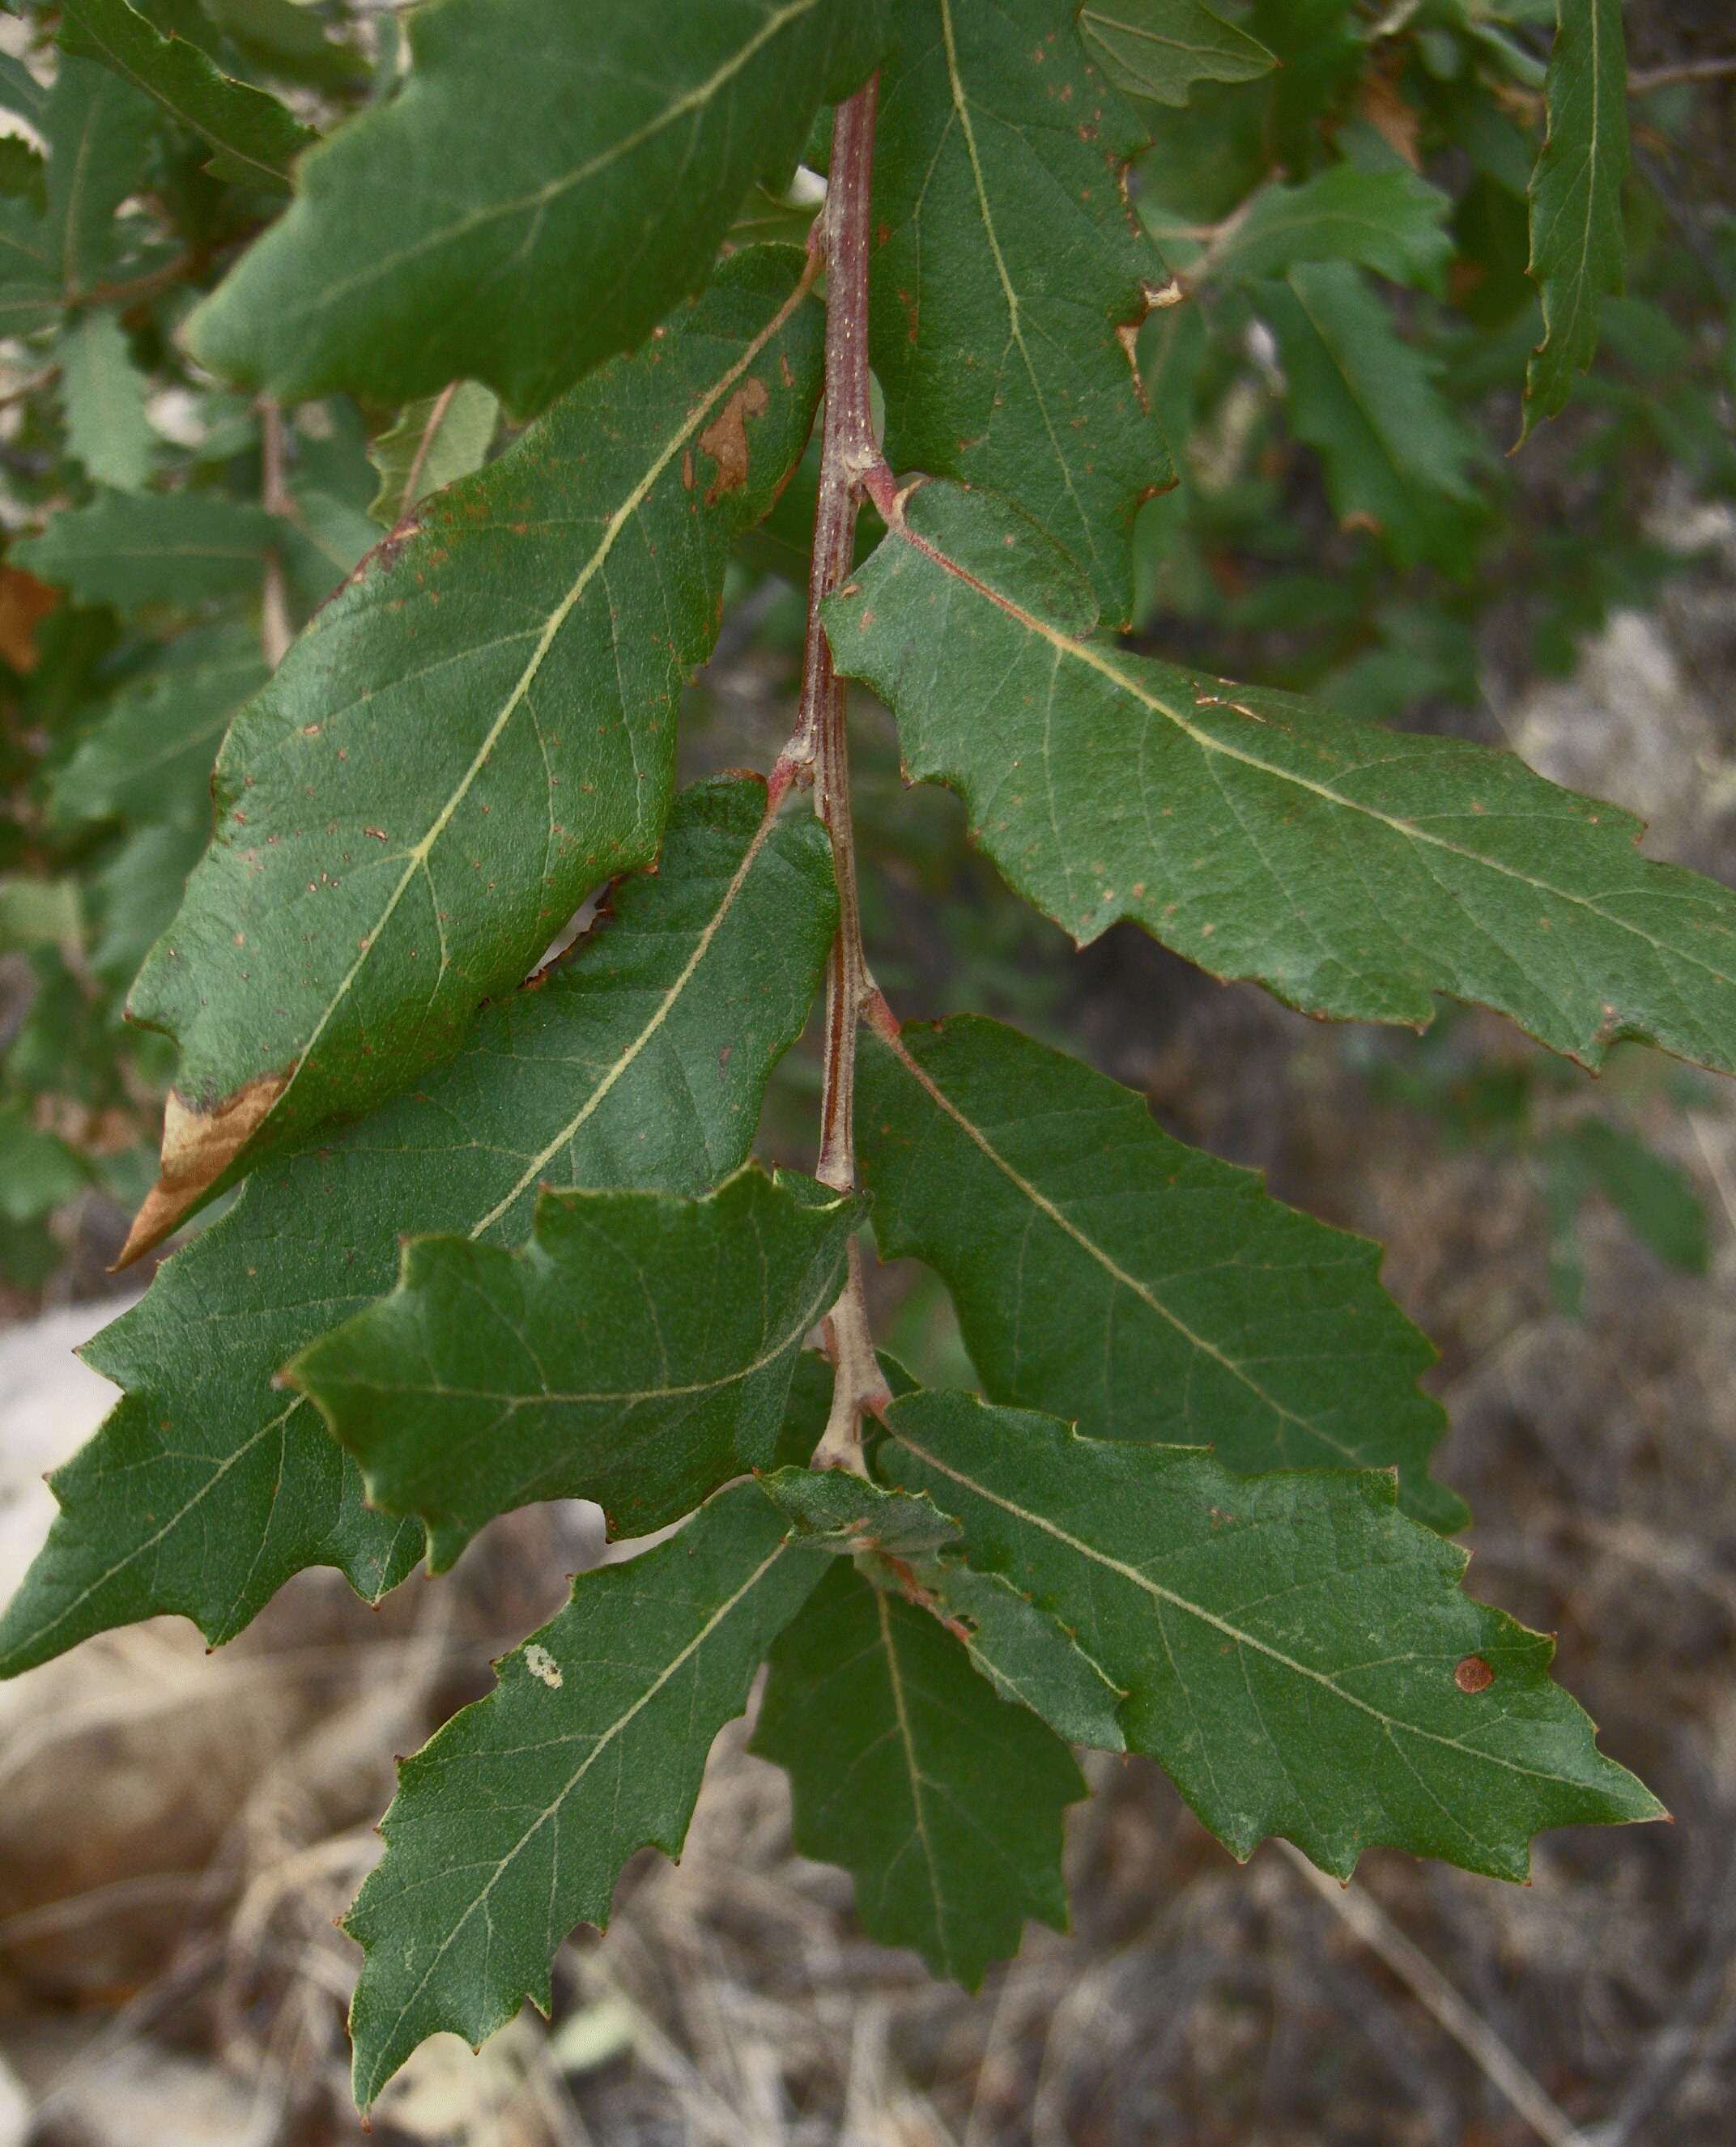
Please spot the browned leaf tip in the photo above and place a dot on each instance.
(198, 1148)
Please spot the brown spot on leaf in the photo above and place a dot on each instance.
(198, 1148)
(725, 439)
(23, 602)
(1474, 1674)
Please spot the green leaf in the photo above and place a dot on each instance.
(434, 443)
(1355, 871)
(640, 1060)
(1107, 1272)
(375, 874)
(1578, 248)
(1154, 51)
(586, 177)
(1391, 221)
(1028, 1656)
(38, 1171)
(833, 1510)
(136, 550)
(637, 1351)
(1298, 1655)
(1007, 277)
(1655, 1198)
(942, 1801)
(24, 173)
(1396, 453)
(20, 92)
(99, 132)
(513, 1824)
(104, 395)
(30, 291)
(255, 138)
(288, 40)
(148, 757)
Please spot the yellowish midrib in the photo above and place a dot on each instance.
(1098, 660)
(416, 857)
(1064, 1222)
(616, 1729)
(539, 197)
(1235, 1634)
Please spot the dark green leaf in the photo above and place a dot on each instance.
(1105, 1271)
(1156, 50)
(587, 177)
(832, 1510)
(149, 757)
(640, 1061)
(475, 731)
(436, 441)
(1577, 248)
(1355, 871)
(513, 1824)
(133, 551)
(1397, 454)
(38, 1172)
(1391, 221)
(289, 40)
(1029, 1656)
(1007, 277)
(256, 139)
(637, 1351)
(1297, 1653)
(944, 1802)
(20, 91)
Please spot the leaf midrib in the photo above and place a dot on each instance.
(1392, 1725)
(539, 198)
(616, 1729)
(416, 857)
(1095, 659)
(285, 1416)
(1118, 1274)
